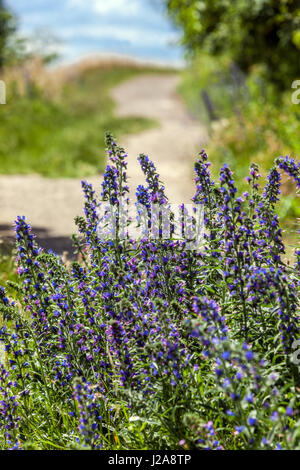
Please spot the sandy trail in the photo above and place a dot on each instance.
(173, 145)
(50, 205)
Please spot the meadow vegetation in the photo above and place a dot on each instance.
(247, 125)
(61, 135)
(146, 343)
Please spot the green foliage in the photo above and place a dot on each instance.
(248, 127)
(264, 32)
(63, 137)
(7, 28)
(8, 271)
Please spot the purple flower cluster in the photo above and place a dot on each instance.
(195, 344)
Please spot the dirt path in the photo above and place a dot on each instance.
(173, 145)
(50, 205)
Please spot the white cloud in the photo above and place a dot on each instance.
(126, 7)
(88, 26)
(135, 36)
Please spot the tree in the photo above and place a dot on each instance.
(264, 32)
(7, 28)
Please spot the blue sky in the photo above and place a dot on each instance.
(137, 28)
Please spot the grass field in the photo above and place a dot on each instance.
(64, 137)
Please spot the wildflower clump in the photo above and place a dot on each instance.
(149, 342)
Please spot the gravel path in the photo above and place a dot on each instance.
(50, 205)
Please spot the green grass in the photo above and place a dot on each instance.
(64, 138)
(8, 270)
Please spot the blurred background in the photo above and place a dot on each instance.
(76, 28)
(167, 77)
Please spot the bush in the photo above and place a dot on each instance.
(264, 33)
(148, 344)
(247, 126)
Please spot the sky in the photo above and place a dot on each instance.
(138, 28)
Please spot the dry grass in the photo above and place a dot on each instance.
(53, 79)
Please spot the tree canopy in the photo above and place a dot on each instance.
(7, 28)
(264, 32)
